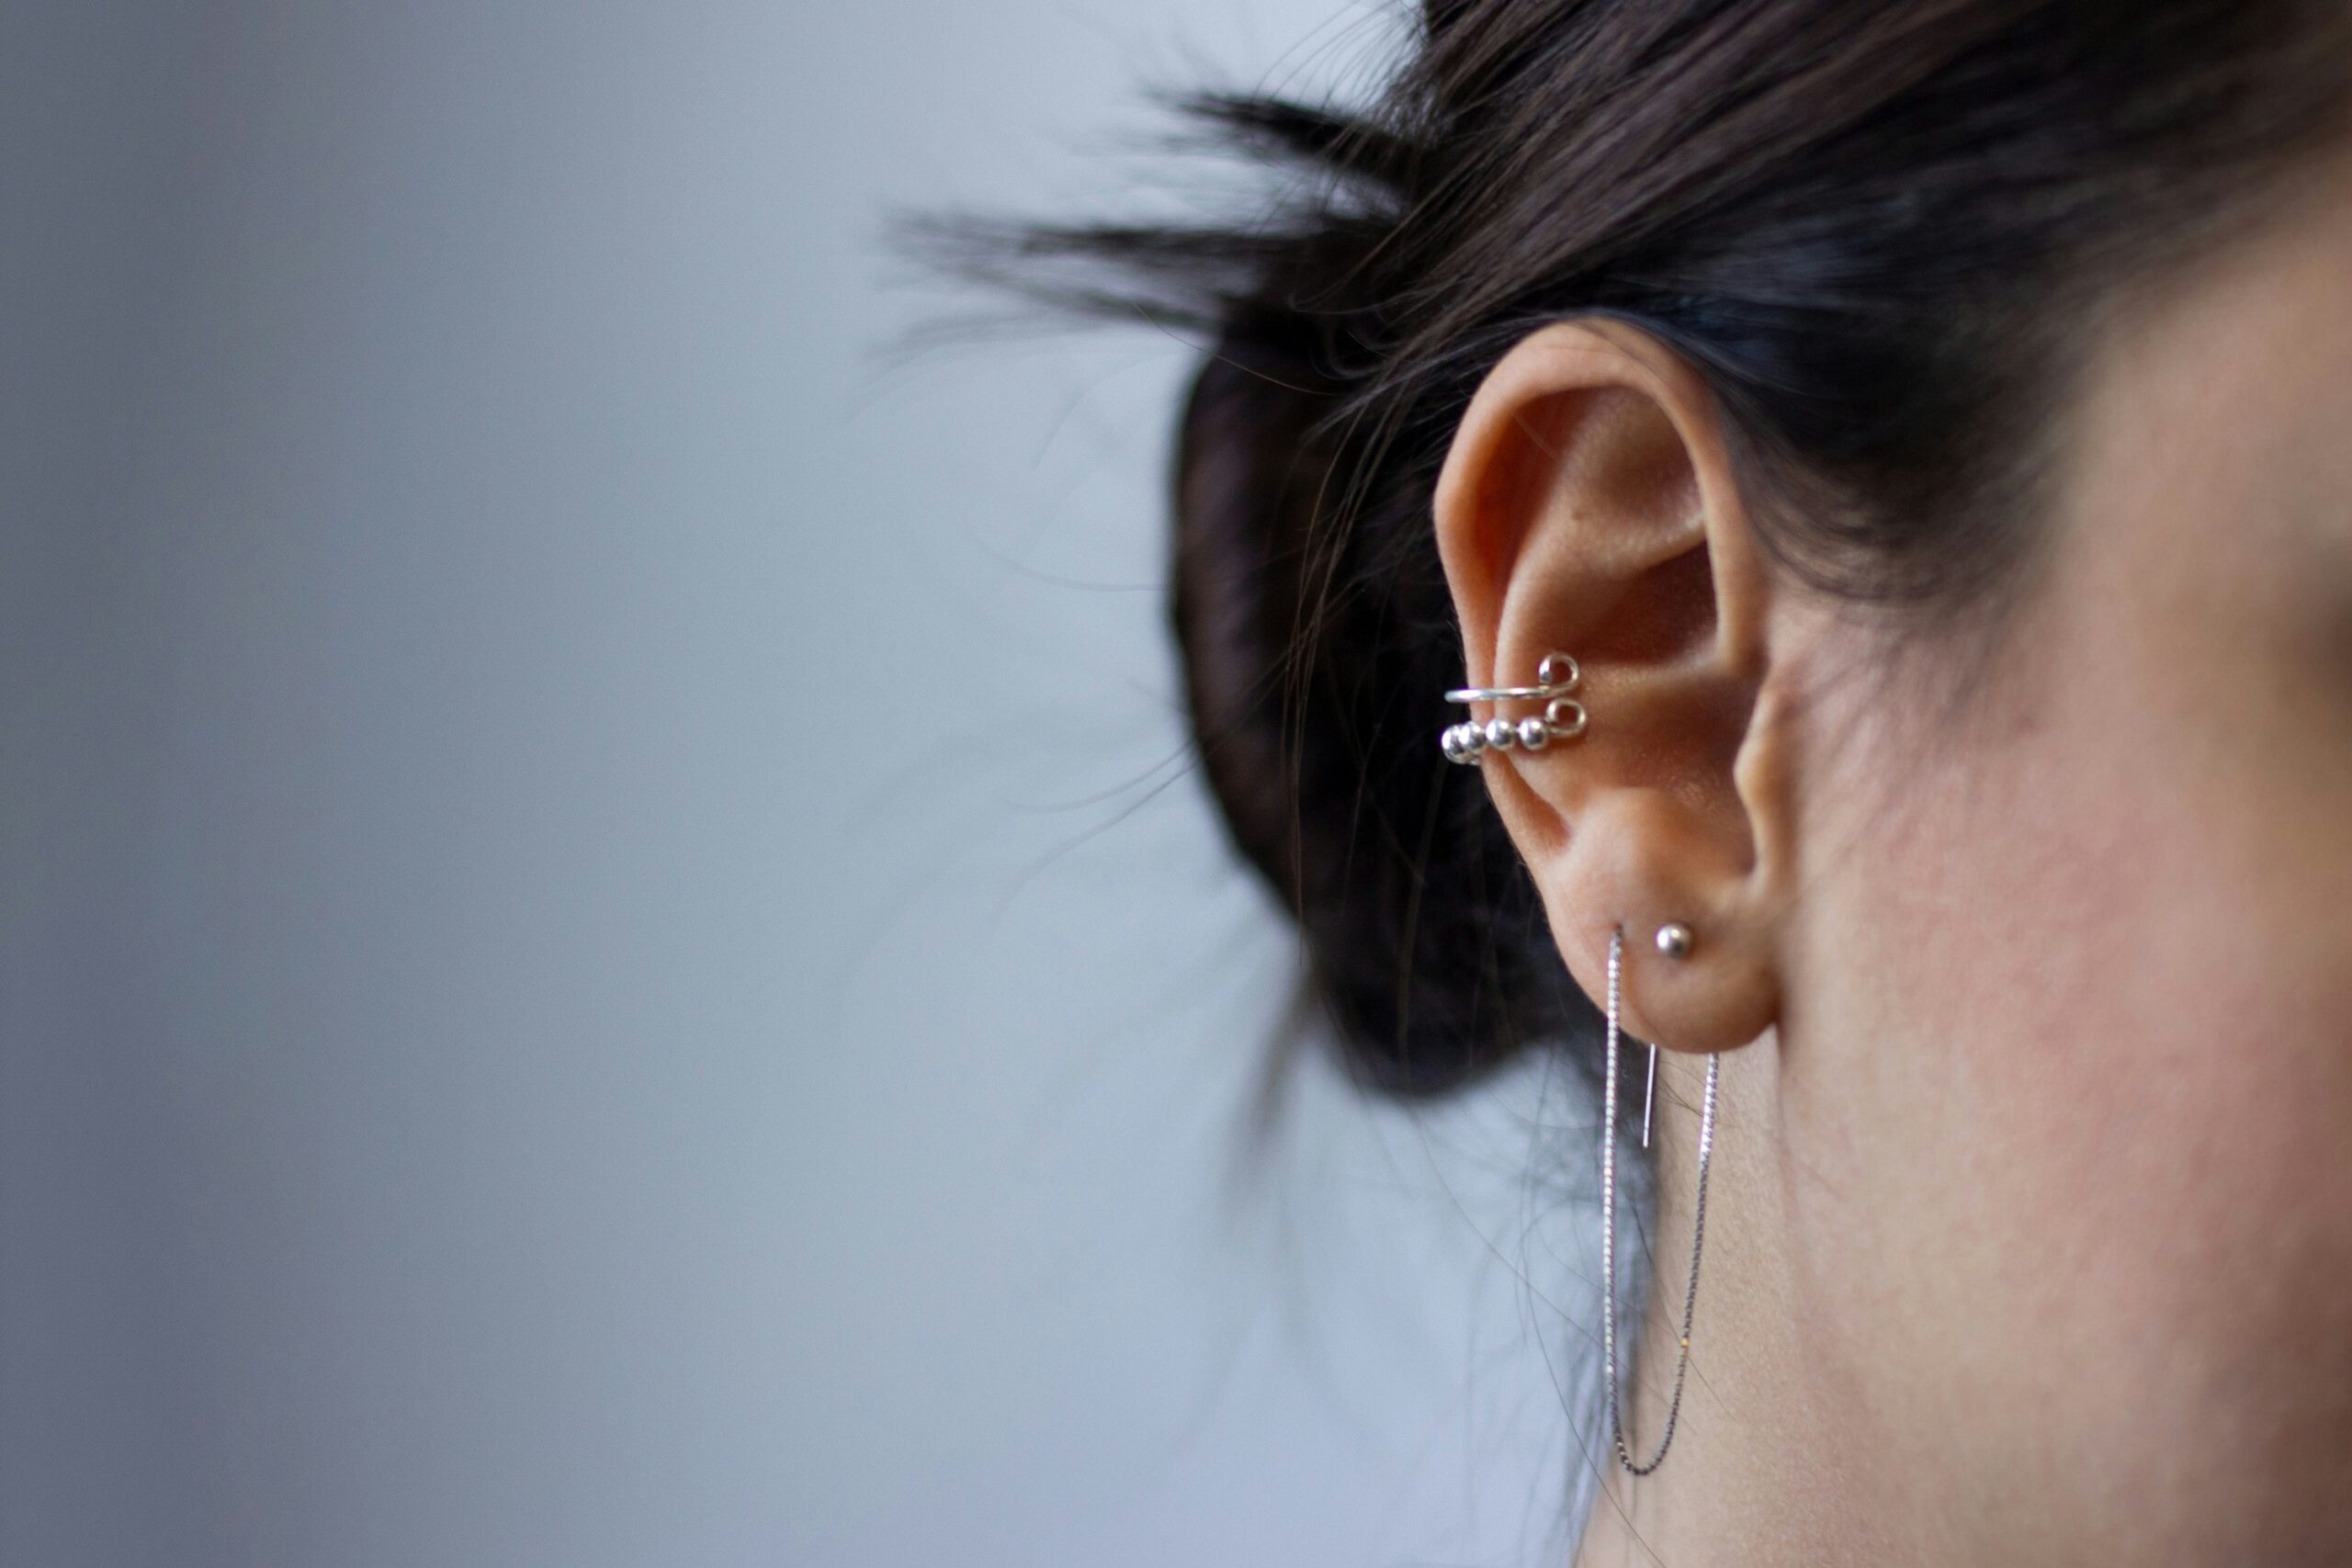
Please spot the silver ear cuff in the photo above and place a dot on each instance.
(1562, 717)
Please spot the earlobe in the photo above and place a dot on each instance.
(1588, 506)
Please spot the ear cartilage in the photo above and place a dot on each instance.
(1562, 717)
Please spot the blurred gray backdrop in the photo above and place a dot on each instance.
(609, 954)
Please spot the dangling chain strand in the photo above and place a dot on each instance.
(1608, 1230)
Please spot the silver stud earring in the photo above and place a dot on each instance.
(1674, 940)
(1562, 717)
(1609, 1213)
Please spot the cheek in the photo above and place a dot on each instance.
(2067, 1061)
(2091, 1113)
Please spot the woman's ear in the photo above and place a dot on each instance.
(1588, 506)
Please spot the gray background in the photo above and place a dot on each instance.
(609, 956)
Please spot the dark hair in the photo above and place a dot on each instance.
(1877, 228)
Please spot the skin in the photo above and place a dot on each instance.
(2030, 1226)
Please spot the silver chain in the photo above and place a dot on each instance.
(1608, 1229)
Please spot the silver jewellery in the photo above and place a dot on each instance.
(1562, 717)
(1675, 941)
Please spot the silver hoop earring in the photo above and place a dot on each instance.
(1562, 717)
(1609, 1217)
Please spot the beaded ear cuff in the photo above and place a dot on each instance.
(1562, 717)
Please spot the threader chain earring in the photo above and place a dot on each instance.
(1564, 718)
(1674, 941)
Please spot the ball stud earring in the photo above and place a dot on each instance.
(1674, 940)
